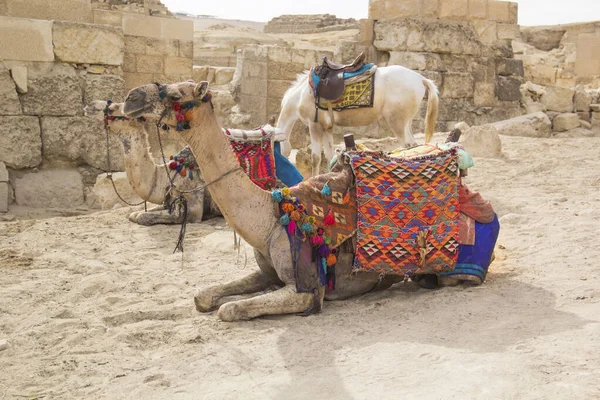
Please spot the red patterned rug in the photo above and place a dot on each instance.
(255, 156)
(408, 213)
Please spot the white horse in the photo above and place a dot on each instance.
(398, 94)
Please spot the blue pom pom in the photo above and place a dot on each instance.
(326, 191)
(307, 227)
(284, 220)
(277, 195)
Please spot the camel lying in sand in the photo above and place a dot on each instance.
(149, 180)
(248, 209)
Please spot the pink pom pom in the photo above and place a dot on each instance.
(316, 240)
(292, 227)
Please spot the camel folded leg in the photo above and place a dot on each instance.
(206, 299)
(283, 301)
(154, 217)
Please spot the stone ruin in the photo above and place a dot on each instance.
(308, 23)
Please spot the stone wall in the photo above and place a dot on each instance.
(48, 71)
(306, 23)
(462, 45)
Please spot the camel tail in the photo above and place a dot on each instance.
(432, 109)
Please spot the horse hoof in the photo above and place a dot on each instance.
(428, 281)
(203, 302)
(230, 312)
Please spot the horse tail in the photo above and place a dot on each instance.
(432, 109)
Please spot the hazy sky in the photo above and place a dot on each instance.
(531, 12)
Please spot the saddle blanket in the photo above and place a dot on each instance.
(408, 213)
(359, 90)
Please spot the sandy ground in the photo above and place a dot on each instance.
(94, 306)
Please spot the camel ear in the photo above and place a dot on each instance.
(200, 89)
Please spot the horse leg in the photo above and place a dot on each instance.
(409, 138)
(316, 140)
(328, 146)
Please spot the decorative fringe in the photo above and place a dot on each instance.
(292, 228)
(326, 191)
(277, 195)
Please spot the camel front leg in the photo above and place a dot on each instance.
(206, 299)
(283, 301)
(154, 217)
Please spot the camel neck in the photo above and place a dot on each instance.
(247, 208)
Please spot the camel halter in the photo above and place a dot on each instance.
(109, 172)
(182, 124)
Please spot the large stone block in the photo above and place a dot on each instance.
(457, 85)
(163, 47)
(54, 93)
(402, 9)
(178, 65)
(484, 94)
(508, 88)
(582, 100)
(478, 9)
(20, 142)
(50, 188)
(588, 55)
(9, 100)
(454, 9)
(255, 87)
(133, 80)
(149, 64)
(530, 125)
(88, 44)
(25, 40)
(105, 192)
(137, 44)
(19, 74)
(486, 31)
(277, 89)
(509, 66)
(104, 87)
(223, 75)
(482, 141)
(58, 10)
(557, 98)
(280, 71)
(565, 122)
(426, 36)
(417, 61)
(508, 31)
(154, 27)
(73, 141)
(596, 120)
(499, 11)
(106, 17)
(376, 9)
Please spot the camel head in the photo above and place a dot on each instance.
(112, 112)
(158, 100)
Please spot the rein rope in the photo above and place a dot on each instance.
(181, 201)
(109, 172)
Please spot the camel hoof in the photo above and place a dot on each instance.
(203, 301)
(230, 312)
(133, 216)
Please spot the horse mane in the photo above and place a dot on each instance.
(300, 79)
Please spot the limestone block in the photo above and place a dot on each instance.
(277, 89)
(179, 29)
(416, 61)
(72, 141)
(482, 141)
(20, 142)
(255, 87)
(596, 120)
(513, 13)
(281, 71)
(585, 124)
(104, 87)
(484, 94)
(223, 75)
(9, 99)
(55, 93)
(133, 80)
(376, 9)
(508, 31)
(530, 125)
(508, 88)
(163, 47)
(565, 122)
(557, 98)
(137, 44)
(509, 66)
(58, 10)
(105, 193)
(25, 40)
(582, 100)
(4, 196)
(499, 11)
(86, 43)
(106, 17)
(19, 75)
(454, 9)
(486, 31)
(478, 9)
(186, 49)
(178, 65)
(457, 85)
(585, 116)
(587, 62)
(50, 188)
(155, 27)
(430, 8)
(149, 64)
(3, 172)
(200, 73)
(402, 9)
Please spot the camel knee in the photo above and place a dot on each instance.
(204, 300)
(232, 311)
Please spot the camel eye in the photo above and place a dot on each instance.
(175, 96)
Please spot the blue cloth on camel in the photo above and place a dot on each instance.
(285, 170)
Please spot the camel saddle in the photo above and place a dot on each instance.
(331, 83)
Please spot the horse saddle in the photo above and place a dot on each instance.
(331, 83)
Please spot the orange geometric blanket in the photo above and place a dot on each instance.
(408, 213)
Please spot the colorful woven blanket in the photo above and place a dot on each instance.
(255, 155)
(408, 213)
(356, 95)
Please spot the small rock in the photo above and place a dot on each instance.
(4, 344)
(595, 107)
(560, 199)
(566, 122)
(7, 218)
(19, 75)
(585, 124)
(96, 69)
